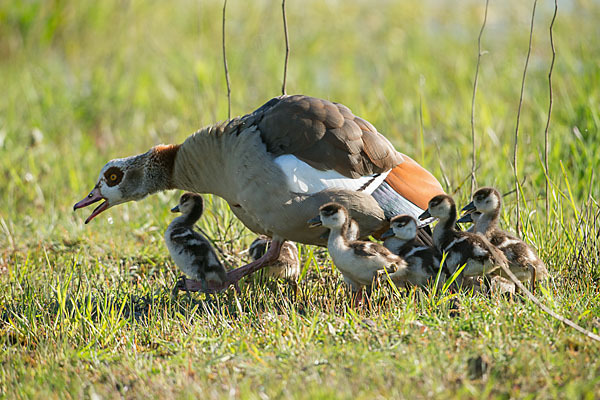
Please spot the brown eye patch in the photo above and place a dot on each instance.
(113, 176)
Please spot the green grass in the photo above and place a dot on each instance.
(88, 310)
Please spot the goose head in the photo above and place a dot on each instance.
(403, 227)
(331, 215)
(130, 179)
(189, 203)
(441, 206)
(486, 200)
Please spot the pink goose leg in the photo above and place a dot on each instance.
(267, 259)
(235, 275)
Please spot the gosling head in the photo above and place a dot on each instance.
(441, 206)
(471, 217)
(403, 227)
(487, 200)
(331, 215)
(189, 203)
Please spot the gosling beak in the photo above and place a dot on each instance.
(387, 234)
(425, 215)
(175, 209)
(469, 207)
(314, 222)
(465, 218)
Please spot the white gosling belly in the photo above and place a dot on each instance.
(361, 270)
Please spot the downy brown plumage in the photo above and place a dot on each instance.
(462, 248)
(360, 262)
(287, 265)
(192, 252)
(522, 259)
(423, 261)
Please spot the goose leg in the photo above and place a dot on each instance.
(357, 298)
(235, 275)
(267, 259)
(532, 272)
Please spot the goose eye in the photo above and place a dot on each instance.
(113, 176)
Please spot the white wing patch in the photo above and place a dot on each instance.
(415, 250)
(478, 251)
(452, 243)
(509, 242)
(302, 178)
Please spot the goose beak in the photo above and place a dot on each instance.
(92, 198)
(175, 209)
(425, 215)
(469, 207)
(387, 234)
(465, 218)
(314, 222)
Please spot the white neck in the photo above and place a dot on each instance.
(336, 240)
(438, 232)
(483, 224)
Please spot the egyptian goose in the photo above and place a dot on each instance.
(191, 251)
(287, 265)
(275, 167)
(461, 248)
(522, 259)
(423, 261)
(360, 262)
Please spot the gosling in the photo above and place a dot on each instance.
(473, 251)
(191, 251)
(360, 262)
(423, 261)
(522, 259)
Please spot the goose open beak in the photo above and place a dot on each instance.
(314, 222)
(469, 207)
(387, 234)
(466, 218)
(425, 215)
(175, 209)
(92, 198)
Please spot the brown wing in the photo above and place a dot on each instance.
(369, 249)
(325, 135)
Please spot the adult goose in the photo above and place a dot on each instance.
(276, 167)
